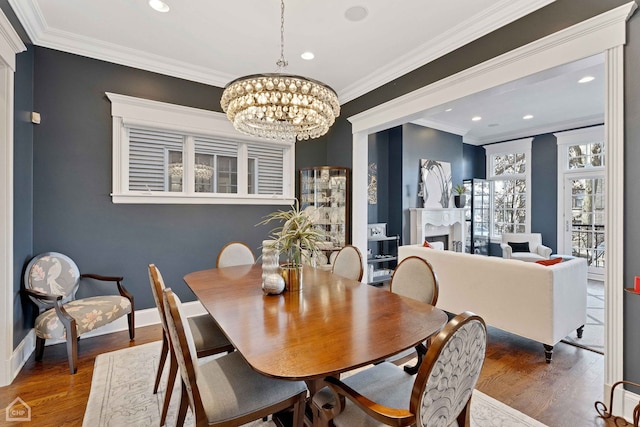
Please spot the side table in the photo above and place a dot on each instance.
(602, 409)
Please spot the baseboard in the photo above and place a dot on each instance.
(146, 317)
(622, 399)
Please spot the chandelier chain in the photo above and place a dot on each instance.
(281, 62)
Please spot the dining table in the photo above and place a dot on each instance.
(330, 326)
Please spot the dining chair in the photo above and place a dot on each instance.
(414, 278)
(235, 253)
(207, 337)
(348, 263)
(51, 281)
(225, 391)
(438, 395)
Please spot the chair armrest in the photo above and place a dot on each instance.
(121, 289)
(506, 250)
(42, 295)
(384, 414)
(544, 251)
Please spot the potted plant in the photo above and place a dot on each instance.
(297, 239)
(459, 199)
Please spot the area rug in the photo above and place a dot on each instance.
(593, 335)
(122, 394)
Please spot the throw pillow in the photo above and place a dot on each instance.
(519, 246)
(427, 245)
(551, 261)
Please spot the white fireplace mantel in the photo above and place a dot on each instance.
(427, 222)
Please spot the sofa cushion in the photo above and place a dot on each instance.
(519, 246)
(549, 261)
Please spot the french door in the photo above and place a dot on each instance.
(584, 219)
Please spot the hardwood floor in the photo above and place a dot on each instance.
(558, 394)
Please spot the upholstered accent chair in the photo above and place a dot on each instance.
(524, 247)
(225, 391)
(207, 337)
(414, 278)
(235, 253)
(348, 263)
(51, 281)
(439, 395)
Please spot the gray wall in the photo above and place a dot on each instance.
(22, 190)
(72, 209)
(544, 189)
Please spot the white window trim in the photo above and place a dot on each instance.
(510, 147)
(129, 111)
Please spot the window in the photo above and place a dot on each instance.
(509, 173)
(164, 153)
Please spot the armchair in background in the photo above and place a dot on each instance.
(524, 247)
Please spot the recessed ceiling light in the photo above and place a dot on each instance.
(527, 117)
(586, 79)
(448, 109)
(356, 13)
(476, 118)
(308, 56)
(159, 5)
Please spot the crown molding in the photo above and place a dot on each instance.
(502, 13)
(10, 42)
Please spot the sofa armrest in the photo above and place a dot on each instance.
(506, 250)
(543, 251)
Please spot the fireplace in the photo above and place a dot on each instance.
(444, 238)
(446, 224)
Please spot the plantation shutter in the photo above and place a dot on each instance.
(216, 146)
(147, 157)
(270, 160)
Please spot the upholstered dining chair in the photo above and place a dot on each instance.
(437, 396)
(207, 338)
(51, 280)
(414, 278)
(225, 391)
(348, 263)
(235, 253)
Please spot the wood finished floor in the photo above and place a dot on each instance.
(558, 394)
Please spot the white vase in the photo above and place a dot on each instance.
(270, 258)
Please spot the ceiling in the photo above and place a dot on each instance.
(214, 42)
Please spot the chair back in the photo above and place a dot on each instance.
(52, 273)
(235, 253)
(157, 288)
(414, 278)
(447, 377)
(184, 349)
(348, 263)
(534, 239)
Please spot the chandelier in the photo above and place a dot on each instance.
(278, 105)
(201, 171)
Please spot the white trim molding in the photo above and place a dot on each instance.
(10, 45)
(603, 33)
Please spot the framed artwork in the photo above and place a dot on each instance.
(377, 230)
(372, 187)
(435, 180)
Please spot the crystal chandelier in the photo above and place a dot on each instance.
(280, 106)
(201, 171)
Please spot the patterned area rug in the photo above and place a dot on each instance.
(593, 335)
(121, 394)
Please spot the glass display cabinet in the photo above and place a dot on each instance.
(324, 195)
(477, 216)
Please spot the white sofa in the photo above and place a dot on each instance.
(542, 303)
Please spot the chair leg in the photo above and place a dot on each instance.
(298, 412)
(72, 344)
(132, 324)
(464, 418)
(184, 404)
(163, 358)
(39, 348)
(173, 372)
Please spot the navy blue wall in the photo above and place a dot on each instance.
(73, 211)
(22, 190)
(474, 164)
(544, 189)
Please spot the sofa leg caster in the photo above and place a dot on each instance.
(548, 352)
(579, 331)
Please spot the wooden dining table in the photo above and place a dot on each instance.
(332, 325)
